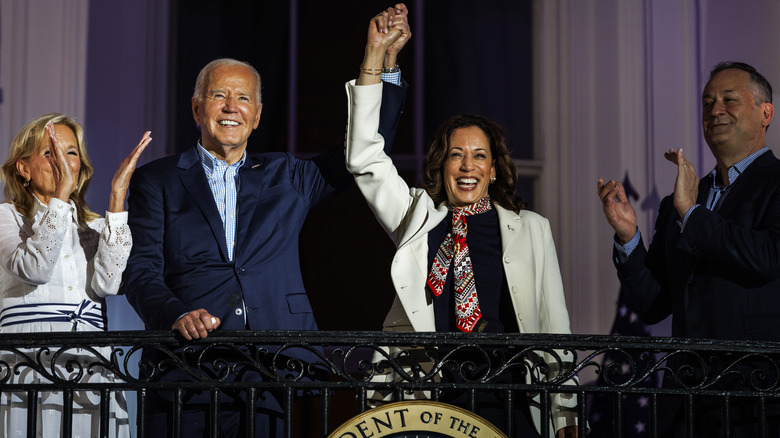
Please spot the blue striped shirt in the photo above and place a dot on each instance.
(223, 181)
(718, 191)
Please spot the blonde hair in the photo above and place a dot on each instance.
(24, 146)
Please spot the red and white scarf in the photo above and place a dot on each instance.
(454, 245)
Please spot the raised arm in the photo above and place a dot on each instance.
(386, 192)
(384, 31)
(116, 202)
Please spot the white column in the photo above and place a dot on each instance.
(616, 85)
(42, 62)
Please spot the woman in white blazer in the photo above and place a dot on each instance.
(467, 200)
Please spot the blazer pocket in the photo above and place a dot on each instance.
(298, 303)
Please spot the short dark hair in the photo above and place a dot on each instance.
(502, 192)
(761, 89)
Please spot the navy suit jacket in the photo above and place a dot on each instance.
(720, 277)
(179, 259)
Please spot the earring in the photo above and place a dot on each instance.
(492, 180)
(26, 183)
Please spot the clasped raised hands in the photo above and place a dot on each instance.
(388, 33)
(397, 18)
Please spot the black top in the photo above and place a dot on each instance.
(484, 241)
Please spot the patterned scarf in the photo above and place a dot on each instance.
(454, 245)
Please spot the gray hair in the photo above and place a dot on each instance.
(199, 94)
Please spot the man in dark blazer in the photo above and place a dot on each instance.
(714, 261)
(216, 231)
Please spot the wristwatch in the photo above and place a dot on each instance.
(395, 69)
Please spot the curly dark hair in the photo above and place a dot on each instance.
(502, 192)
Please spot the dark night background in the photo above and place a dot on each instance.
(345, 255)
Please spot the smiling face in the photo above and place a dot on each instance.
(468, 167)
(733, 124)
(37, 168)
(228, 112)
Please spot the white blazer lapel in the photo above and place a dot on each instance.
(519, 264)
(410, 272)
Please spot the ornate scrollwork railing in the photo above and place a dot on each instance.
(366, 365)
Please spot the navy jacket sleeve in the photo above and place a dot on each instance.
(719, 276)
(145, 285)
(393, 98)
(332, 174)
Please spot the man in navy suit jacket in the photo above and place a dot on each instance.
(714, 262)
(216, 231)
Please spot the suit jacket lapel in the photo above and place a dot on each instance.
(744, 185)
(193, 180)
(704, 190)
(249, 190)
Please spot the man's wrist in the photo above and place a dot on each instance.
(389, 60)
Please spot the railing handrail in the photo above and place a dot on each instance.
(340, 338)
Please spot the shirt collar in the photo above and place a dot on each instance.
(737, 169)
(209, 161)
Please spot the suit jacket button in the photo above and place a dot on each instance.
(239, 311)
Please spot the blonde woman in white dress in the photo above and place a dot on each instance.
(59, 260)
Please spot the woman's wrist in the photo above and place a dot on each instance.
(374, 57)
(116, 202)
(371, 67)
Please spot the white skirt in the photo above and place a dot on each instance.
(86, 404)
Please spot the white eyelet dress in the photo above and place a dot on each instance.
(53, 279)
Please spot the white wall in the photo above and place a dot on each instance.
(43, 46)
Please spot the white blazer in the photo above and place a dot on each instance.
(408, 214)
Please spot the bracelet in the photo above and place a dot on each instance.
(395, 69)
(371, 71)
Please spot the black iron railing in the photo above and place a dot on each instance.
(322, 378)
